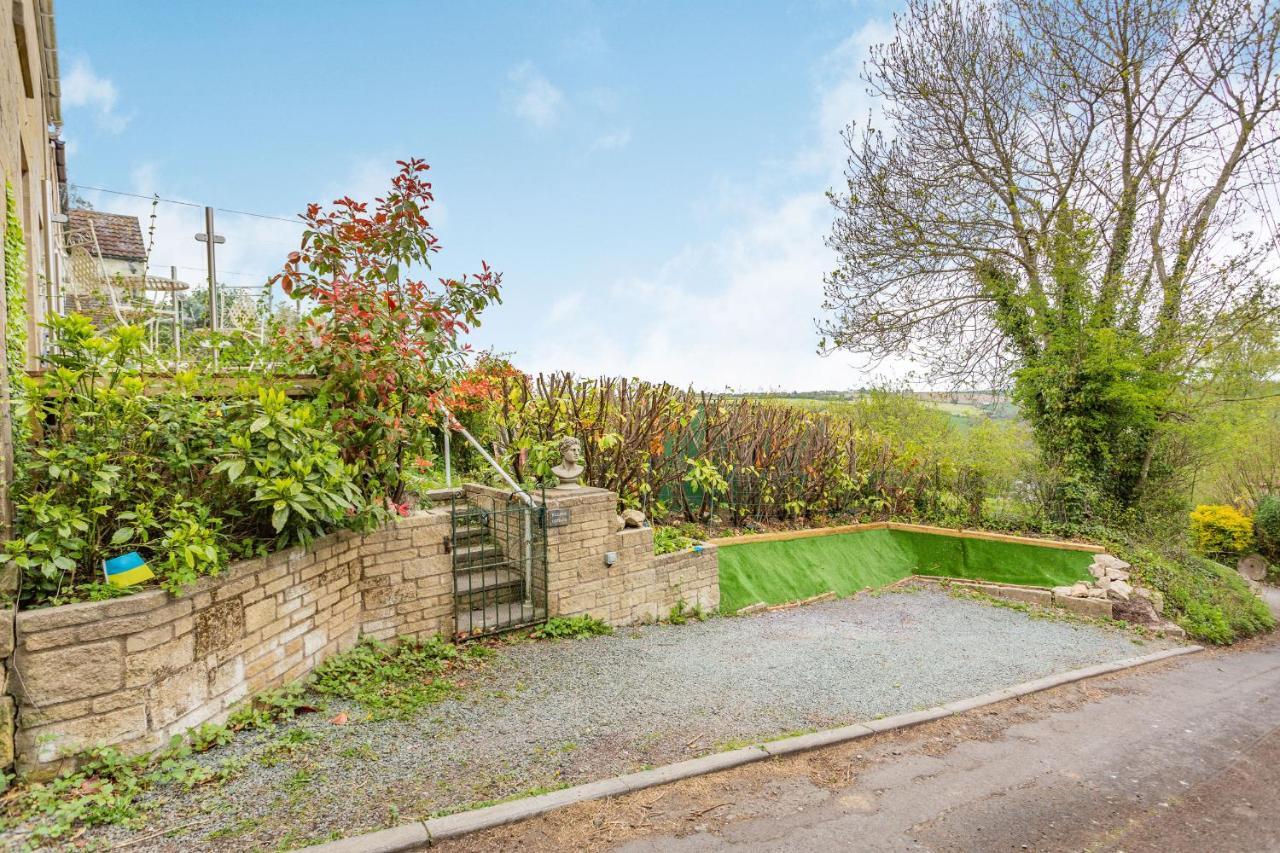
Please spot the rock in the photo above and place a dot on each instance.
(1137, 610)
(1080, 590)
(1253, 567)
(1106, 561)
(1097, 593)
(1120, 590)
(1097, 571)
(633, 518)
(1096, 608)
(620, 524)
(1061, 591)
(1117, 575)
(1153, 595)
(1103, 584)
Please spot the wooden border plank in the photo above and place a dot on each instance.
(784, 535)
(809, 533)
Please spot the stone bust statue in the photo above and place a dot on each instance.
(570, 467)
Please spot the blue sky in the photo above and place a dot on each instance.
(648, 177)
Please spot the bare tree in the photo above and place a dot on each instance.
(1062, 191)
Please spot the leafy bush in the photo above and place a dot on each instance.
(570, 628)
(187, 479)
(719, 459)
(385, 345)
(1266, 527)
(668, 540)
(1220, 530)
(1212, 602)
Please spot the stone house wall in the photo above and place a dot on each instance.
(131, 672)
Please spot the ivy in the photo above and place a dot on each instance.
(15, 273)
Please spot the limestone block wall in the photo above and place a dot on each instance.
(638, 587)
(133, 671)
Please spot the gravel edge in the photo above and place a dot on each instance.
(420, 834)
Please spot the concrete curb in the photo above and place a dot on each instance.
(421, 834)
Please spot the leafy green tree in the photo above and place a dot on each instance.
(1068, 195)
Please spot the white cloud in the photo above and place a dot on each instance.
(842, 98)
(754, 330)
(534, 98)
(737, 311)
(587, 41)
(612, 140)
(82, 88)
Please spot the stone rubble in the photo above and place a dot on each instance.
(1113, 582)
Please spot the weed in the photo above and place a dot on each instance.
(570, 628)
(681, 613)
(270, 707)
(237, 829)
(394, 681)
(285, 747)
(363, 752)
(520, 795)
(209, 735)
(103, 788)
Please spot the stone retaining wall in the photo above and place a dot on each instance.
(638, 586)
(133, 671)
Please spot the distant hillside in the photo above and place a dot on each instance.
(962, 406)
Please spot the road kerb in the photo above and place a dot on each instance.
(421, 834)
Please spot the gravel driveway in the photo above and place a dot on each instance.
(549, 713)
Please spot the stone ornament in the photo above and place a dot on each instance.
(570, 468)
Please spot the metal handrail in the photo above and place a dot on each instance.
(529, 503)
(448, 462)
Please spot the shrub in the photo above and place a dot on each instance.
(682, 454)
(187, 479)
(668, 540)
(1212, 602)
(1220, 530)
(1266, 527)
(384, 344)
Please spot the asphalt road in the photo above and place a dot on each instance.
(1184, 756)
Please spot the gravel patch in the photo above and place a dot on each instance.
(547, 714)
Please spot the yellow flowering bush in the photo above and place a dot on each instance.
(1220, 529)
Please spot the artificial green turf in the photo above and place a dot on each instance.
(843, 563)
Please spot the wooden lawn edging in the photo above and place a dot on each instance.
(957, 533)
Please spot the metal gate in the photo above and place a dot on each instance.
(499, 567)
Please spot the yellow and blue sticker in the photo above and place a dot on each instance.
(127, 569)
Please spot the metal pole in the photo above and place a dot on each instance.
(528, 554)
(177, 317)
(448, 457)
(213, 272)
